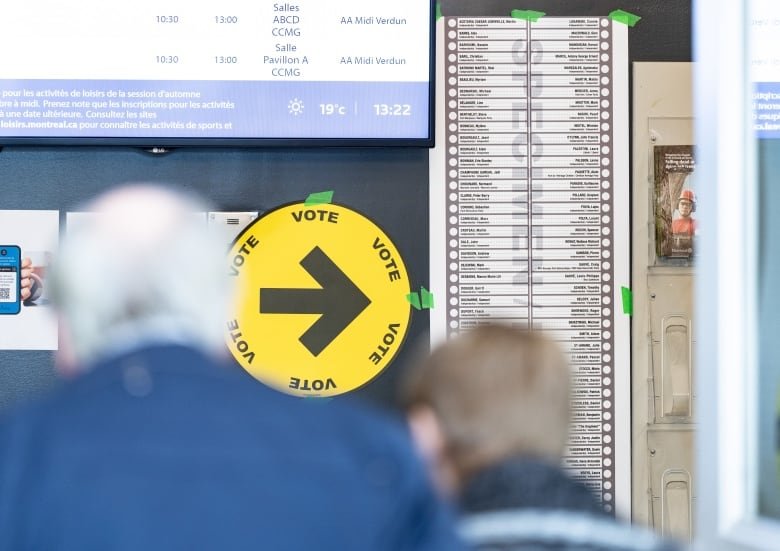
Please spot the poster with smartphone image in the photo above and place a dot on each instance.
(10, 288)
(28, 244)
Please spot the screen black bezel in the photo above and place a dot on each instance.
(173, 142)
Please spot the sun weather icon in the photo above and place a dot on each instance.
(295, 107)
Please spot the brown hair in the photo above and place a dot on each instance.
(497, 392)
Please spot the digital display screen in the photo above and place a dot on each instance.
(177, 72)
(764, 24)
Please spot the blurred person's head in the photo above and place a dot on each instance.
(140, 268)
(486, 396)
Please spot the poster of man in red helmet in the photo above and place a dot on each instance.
(675, 201)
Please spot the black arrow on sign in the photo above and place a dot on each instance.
(339, 301)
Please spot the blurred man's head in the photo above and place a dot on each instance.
(141, 268)
(489, 395)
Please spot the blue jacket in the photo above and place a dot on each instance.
(164, 449)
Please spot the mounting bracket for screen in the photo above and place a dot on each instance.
(157, 150)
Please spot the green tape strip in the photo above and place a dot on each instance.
(438, 11)
(628, 301)
(528, 15)
(624, 17)
(427, 298)
(321, 198)
(414, 300)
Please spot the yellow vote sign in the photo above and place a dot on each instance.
(321, 306)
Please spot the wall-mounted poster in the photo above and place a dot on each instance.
(28, 242)
(226, 225)
(675, 201)
(229, 224)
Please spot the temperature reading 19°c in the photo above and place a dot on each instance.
(333, 109)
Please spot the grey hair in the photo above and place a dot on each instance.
(142, 267)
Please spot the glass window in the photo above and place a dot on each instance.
(764, 56)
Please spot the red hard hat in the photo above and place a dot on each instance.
(688, 194)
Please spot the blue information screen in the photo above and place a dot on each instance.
(170, 70)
